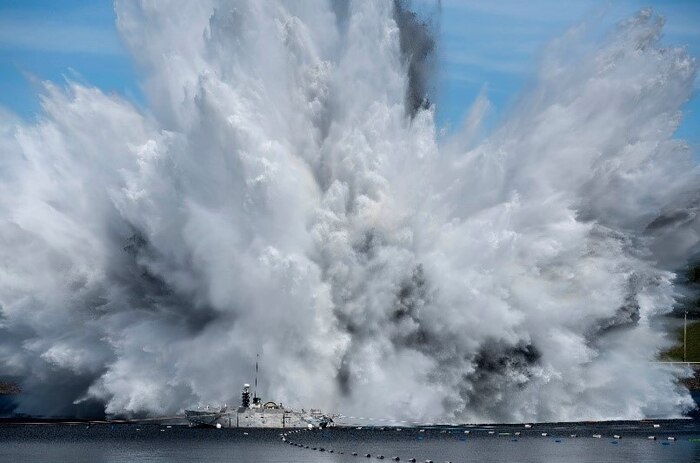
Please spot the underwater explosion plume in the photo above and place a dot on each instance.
(285, 193)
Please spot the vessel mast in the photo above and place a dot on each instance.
(255, 389)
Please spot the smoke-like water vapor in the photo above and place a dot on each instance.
(284, 194)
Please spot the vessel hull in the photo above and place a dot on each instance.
(249, 418)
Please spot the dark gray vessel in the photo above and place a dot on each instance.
(255, 414)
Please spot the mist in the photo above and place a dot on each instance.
(285, 192)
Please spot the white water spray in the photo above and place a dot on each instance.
(283, 195)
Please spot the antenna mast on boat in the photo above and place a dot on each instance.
(255, 390)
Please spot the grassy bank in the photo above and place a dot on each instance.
(693, 344)
(8, 388)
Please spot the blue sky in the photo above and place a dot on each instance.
(497, 44)
(482, 44)
(58, 40)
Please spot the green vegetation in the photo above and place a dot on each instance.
(690, 279)
(8, 388)
(693, 344)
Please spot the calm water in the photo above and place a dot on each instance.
(154, 443)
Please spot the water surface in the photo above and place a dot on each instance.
(488, 444)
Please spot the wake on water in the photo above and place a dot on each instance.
(285, 192)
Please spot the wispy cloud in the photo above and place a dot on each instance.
(503, 37)
(503, 65)
(533, 11)
(685, 30)
(51, 36)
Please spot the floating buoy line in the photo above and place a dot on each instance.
(286, 438)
